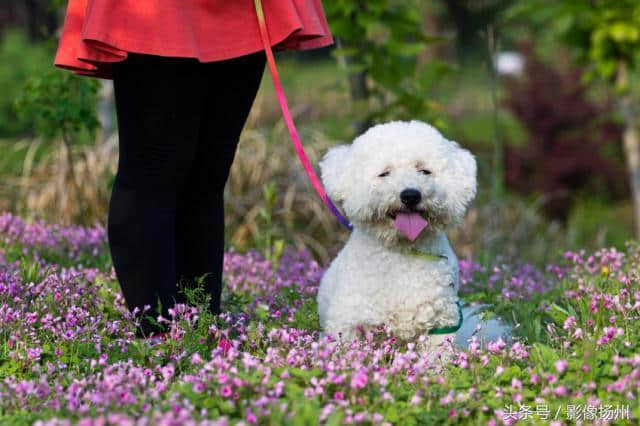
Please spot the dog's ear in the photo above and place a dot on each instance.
(462, 178)
(333, 169)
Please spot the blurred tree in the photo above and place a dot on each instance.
(572, 145)
(38, 17)
(379, 41)
(62, 105)
(605, 35)
(470, 18)
(19, 60)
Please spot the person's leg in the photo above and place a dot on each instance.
(159, 105)
(232, 89)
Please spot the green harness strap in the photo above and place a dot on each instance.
(439, 330)
(426, 256)
(451, 328)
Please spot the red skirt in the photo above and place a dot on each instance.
(97, 33)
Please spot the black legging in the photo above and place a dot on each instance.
(179, 121)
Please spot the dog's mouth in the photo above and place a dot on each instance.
(393, 214)
(409, 222)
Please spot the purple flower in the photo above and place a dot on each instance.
(226, 391)
(561, 365)
(359, 380)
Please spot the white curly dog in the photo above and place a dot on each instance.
(402, 185)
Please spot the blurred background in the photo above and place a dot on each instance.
(544, 93)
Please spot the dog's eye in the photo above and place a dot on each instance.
(425, 171)
(384, 174)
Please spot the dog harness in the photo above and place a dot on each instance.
(426, 256)
(452, 328)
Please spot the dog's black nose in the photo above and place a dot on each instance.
(410, 197)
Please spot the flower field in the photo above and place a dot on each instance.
(68, 354)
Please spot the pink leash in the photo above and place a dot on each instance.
(295, 138)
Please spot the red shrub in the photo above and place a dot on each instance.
(573, 142)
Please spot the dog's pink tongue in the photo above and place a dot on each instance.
(410, 224)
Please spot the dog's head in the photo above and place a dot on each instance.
(399, 170)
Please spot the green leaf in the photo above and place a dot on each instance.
(391, 414)
(305, 374)
(461, 380)
(293, 389)
(557, 314)
(624, 32)
(604, 355)
(209, 403)
(545, 354)
(335, 419)
(226, 407)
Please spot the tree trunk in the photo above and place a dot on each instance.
(358, 80)
(631, 141)
(359, 93)
(498, 147)
(105, 109)
(41, 20)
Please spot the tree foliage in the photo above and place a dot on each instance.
(60, 104)
(562, 123)
(603, 33)
(19, 61)
(381, 42)
(470, 19)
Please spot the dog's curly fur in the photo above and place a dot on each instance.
(373, 280)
